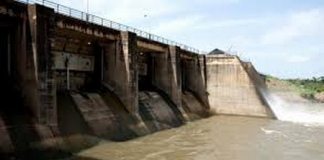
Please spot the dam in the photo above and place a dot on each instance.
(71, 79)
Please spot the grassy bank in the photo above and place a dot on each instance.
(308, 88)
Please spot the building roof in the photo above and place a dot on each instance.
(217, 51)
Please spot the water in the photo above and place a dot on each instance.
(298, 135)
(288, 107)
(220, 138)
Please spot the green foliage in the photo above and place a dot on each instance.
(308, 95)
(308, 87)
(268, 78)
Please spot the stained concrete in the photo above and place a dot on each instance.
(194, 95)
(194, 108)
(157, 112)
(230, 88)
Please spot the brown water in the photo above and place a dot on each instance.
(220, 138)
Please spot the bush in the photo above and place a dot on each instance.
(308, 95)
(308, 87)
(268, 78)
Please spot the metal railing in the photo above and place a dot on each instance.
(74, 13)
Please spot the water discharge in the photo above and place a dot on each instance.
(230, 137)
(295, 111)
(219, 138)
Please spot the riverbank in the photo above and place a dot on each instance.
(309, 89)
(289, 104)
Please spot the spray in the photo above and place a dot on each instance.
(295, 112)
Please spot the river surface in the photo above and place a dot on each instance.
(220, 138)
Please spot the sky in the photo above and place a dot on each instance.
(283, 38)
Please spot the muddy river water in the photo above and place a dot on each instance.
(220, 138)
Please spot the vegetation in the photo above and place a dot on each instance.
(269, 77)
(308, 87)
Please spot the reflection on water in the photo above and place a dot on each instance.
(221, 138)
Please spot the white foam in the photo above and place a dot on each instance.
(295, 112)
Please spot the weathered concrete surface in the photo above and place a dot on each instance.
(41, 22)
(167, 76)
(100, 119)
(194, 108)
(194, 95)
(96, 114)
(156, 112)
(230, 88)
(129, 94)
(129, 125)
(260, 86)
(254, 75)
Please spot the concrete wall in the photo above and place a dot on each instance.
(230, 88)
(194, 95)
(166, 74)
(72, 56)
(254, 75)
(193, 77)
(167, 77)
(126, 66)
(41, 21)
(156, 112)
(194, 108)
(98, 116)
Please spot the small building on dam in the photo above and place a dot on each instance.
(70, 79)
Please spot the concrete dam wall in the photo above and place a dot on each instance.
(233, 86)
(70, 83)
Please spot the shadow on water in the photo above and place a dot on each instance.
(45, 155)
(36, 155)
(81, 158)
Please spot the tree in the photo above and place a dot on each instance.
(321, 79)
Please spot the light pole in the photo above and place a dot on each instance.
(87, 10)
(87, 6)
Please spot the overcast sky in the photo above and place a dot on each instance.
(284, 38)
